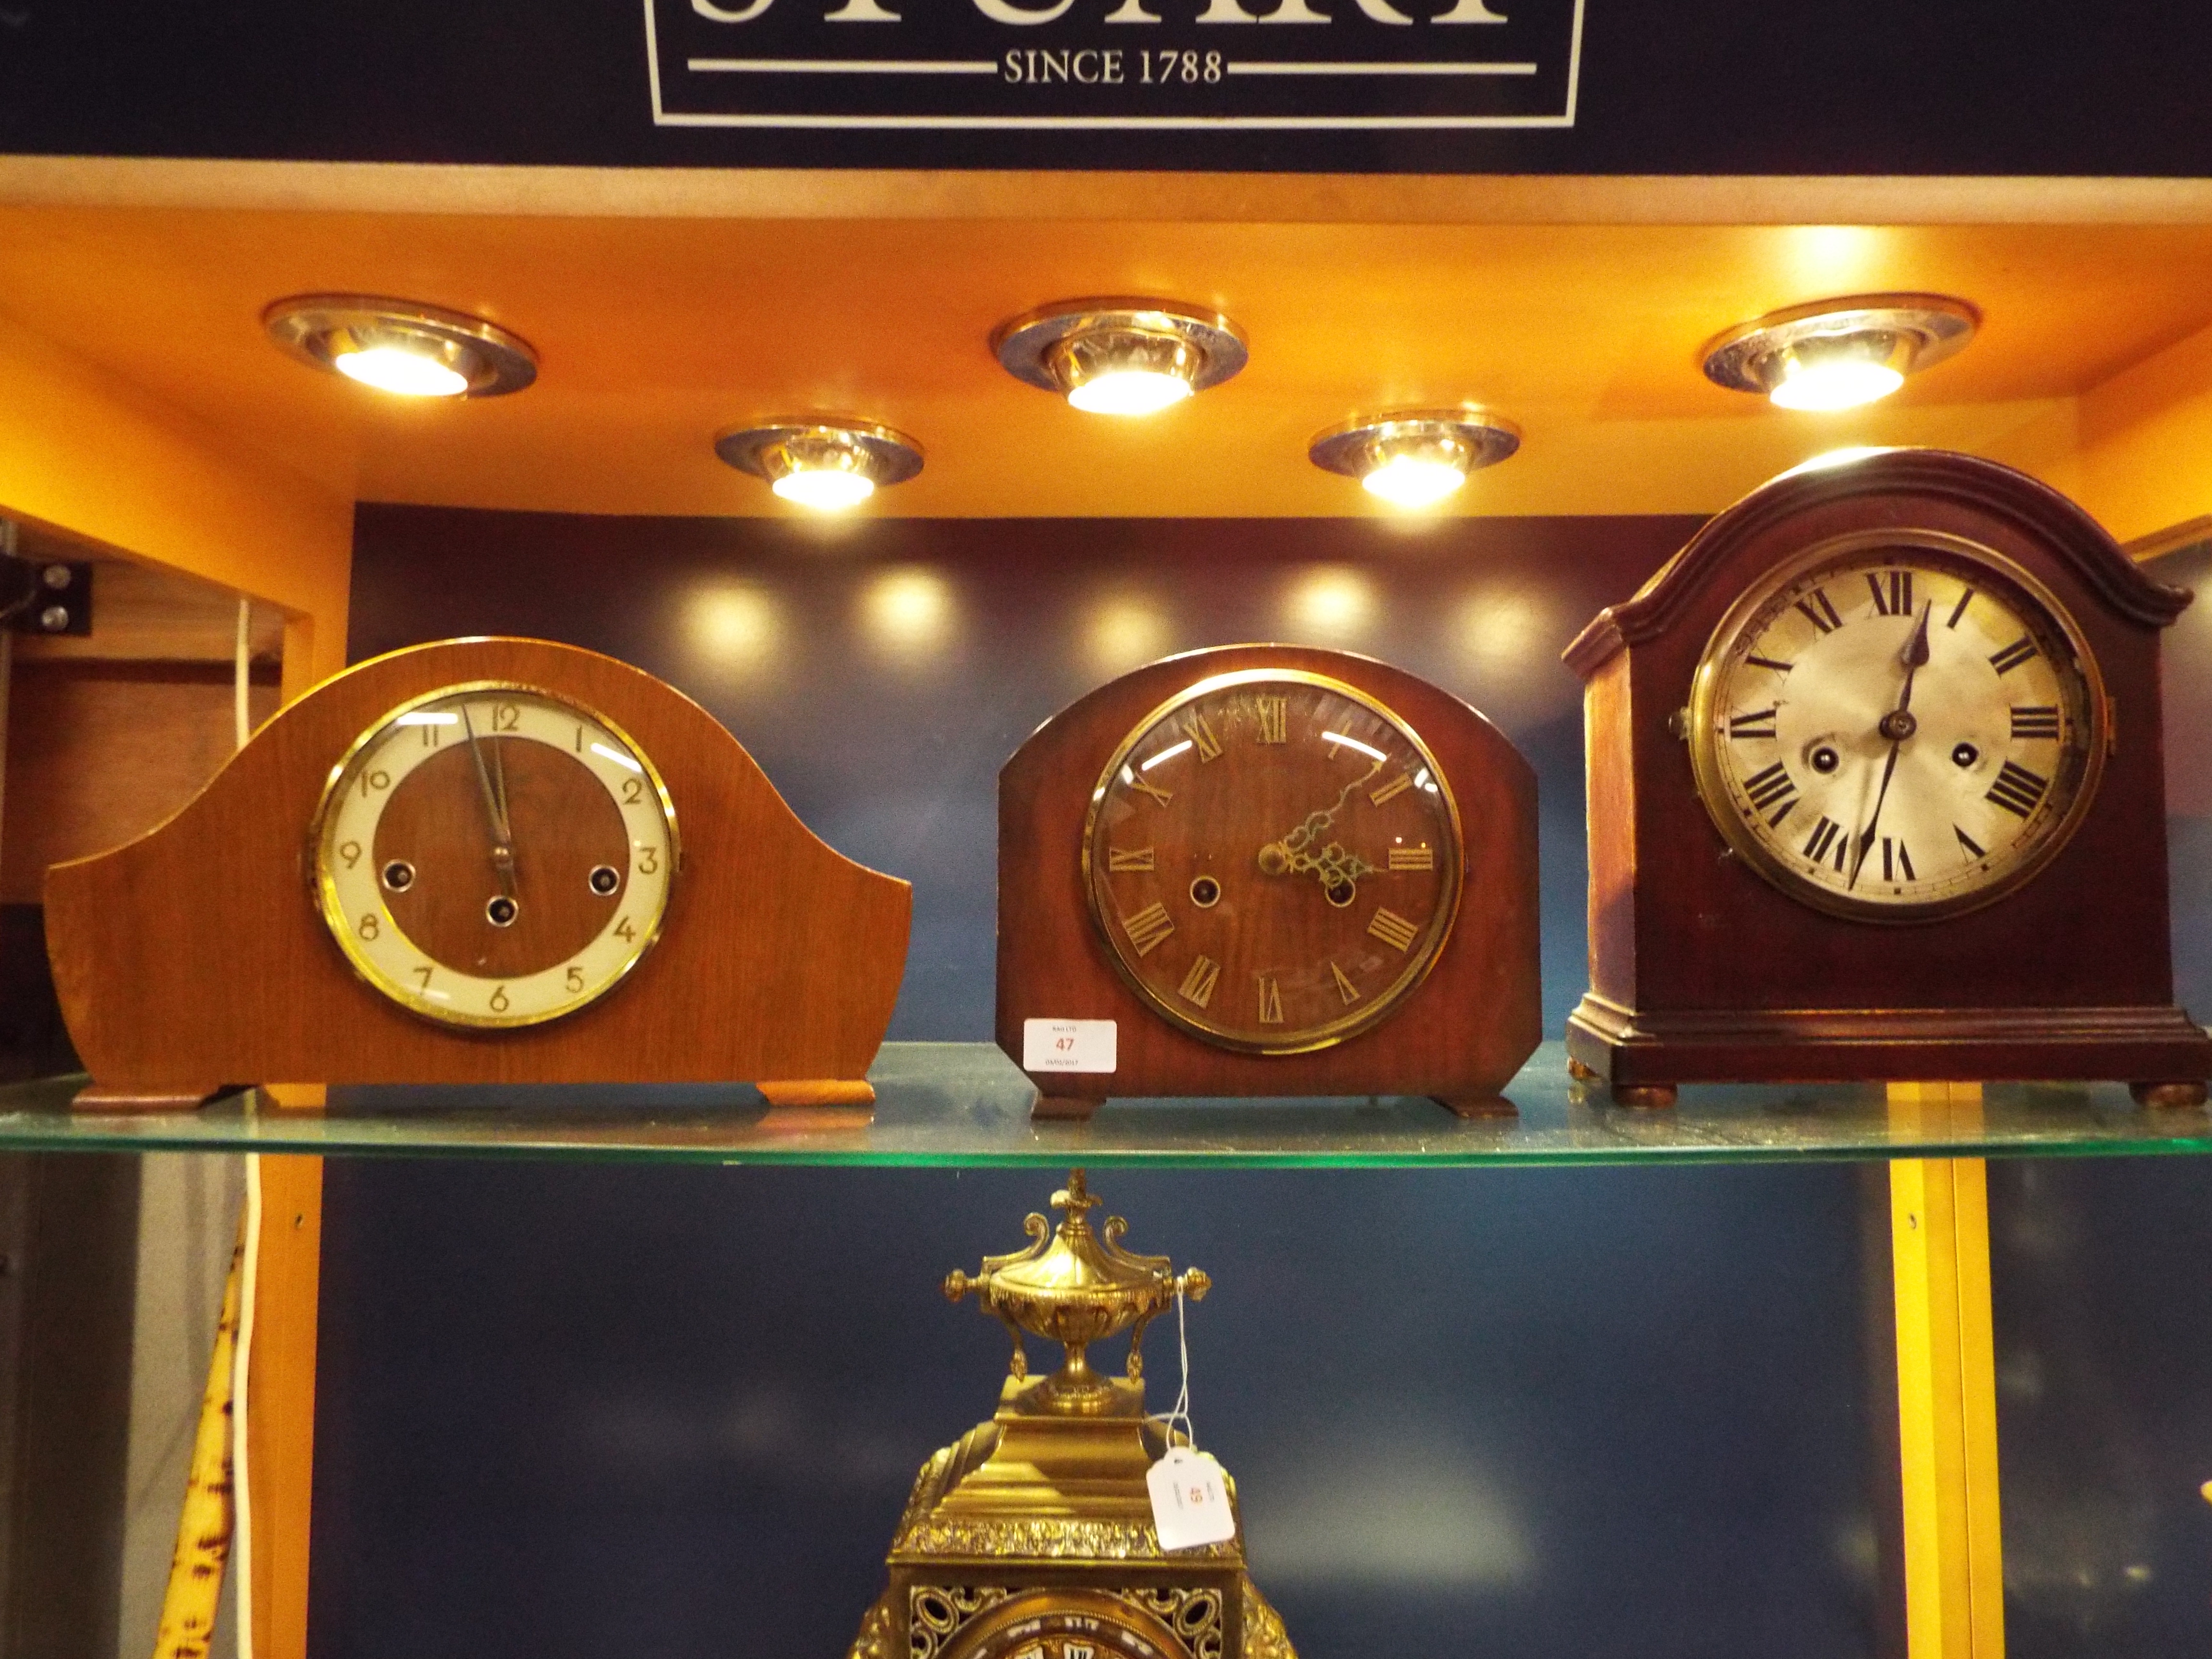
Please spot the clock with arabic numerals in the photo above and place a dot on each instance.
(459, 863)
(1890, 730)
(1276, 871)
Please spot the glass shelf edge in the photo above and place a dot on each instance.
(965, 1105)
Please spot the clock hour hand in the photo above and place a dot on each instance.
(502, 843)
(1897, 726)
(1288, 854)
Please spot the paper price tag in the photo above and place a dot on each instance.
(1190, 1500)
(1068, 1045)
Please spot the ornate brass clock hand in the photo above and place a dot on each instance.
(502, 846)
(1279, 856)
(1897, 726)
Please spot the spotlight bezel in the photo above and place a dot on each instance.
(1909, 332)
(1038, 347)
(316, 329)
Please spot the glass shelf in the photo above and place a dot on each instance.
(965, 1104)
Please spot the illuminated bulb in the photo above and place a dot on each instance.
(1129, 391)
(825, 489)
(399, 370)
(1836, 383)
(1414, 481)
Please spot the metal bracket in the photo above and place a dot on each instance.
(42, 596)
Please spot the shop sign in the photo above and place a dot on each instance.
(1131, 65)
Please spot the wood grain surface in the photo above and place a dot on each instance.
(195, 955)
(1702, 971)
(1458, 1035)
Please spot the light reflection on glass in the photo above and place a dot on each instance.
(1332, 601)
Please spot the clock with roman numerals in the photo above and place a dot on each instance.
(1876, 791)
(1272, 857)
(1257, 862)
(1898, 726)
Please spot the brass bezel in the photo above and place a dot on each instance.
(1354, 448)
(336, 921)
(493, 361)
(1387, 1002)
(1919, 330)
(1025, 346)
(1712, 785)
(1071, 1602)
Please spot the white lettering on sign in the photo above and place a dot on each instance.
(1069, 1045)
(1331, 65)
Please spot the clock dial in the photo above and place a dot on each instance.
(1070, 1623)
(1897, 730)
(1273, 860)
(492, 855)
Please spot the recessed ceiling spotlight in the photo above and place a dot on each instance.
(1414, 458)
(1121, 357)
(397, 346)
(1837, 353)
(827, 464)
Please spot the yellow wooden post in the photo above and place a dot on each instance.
(1945, 1385)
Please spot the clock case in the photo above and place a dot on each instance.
(196, 958)
(1702, 971)
(1458, 1035)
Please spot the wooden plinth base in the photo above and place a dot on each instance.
(2159, 1051)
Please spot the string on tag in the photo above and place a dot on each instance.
(1180, 1412)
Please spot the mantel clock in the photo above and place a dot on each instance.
(1032, 1537)
(1255, 862)
(1876, 792)
(479, 862)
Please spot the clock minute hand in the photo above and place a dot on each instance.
(502, 846)
(1897, 726)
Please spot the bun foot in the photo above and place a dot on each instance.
(1650, 1096)
(1077, 1108)
(1477, 1106)
(2168, 1096)
(1579, 1072)
(817, 1091)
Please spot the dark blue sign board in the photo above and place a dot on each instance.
(1194, 66)
(1620, 86)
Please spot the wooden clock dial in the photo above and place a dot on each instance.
(1273, 860)
(492, 855)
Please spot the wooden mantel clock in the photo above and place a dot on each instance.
(1268, 870)
(487, 860)
(1876, 792)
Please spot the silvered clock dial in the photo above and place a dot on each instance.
(1898, 727)
(494, 856)
(1273, 860)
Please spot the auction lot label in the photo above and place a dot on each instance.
(1313, 65)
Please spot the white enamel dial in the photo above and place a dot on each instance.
(494, 856)
(1896, 728)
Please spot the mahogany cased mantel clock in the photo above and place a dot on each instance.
(488, 860)
(1033, 1535)
(1276, 870)
(1876, 792)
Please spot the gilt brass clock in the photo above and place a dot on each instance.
(1273, 859)
(1033, 1535)
(1898, 726)
(493, 854)
(1275, 870)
